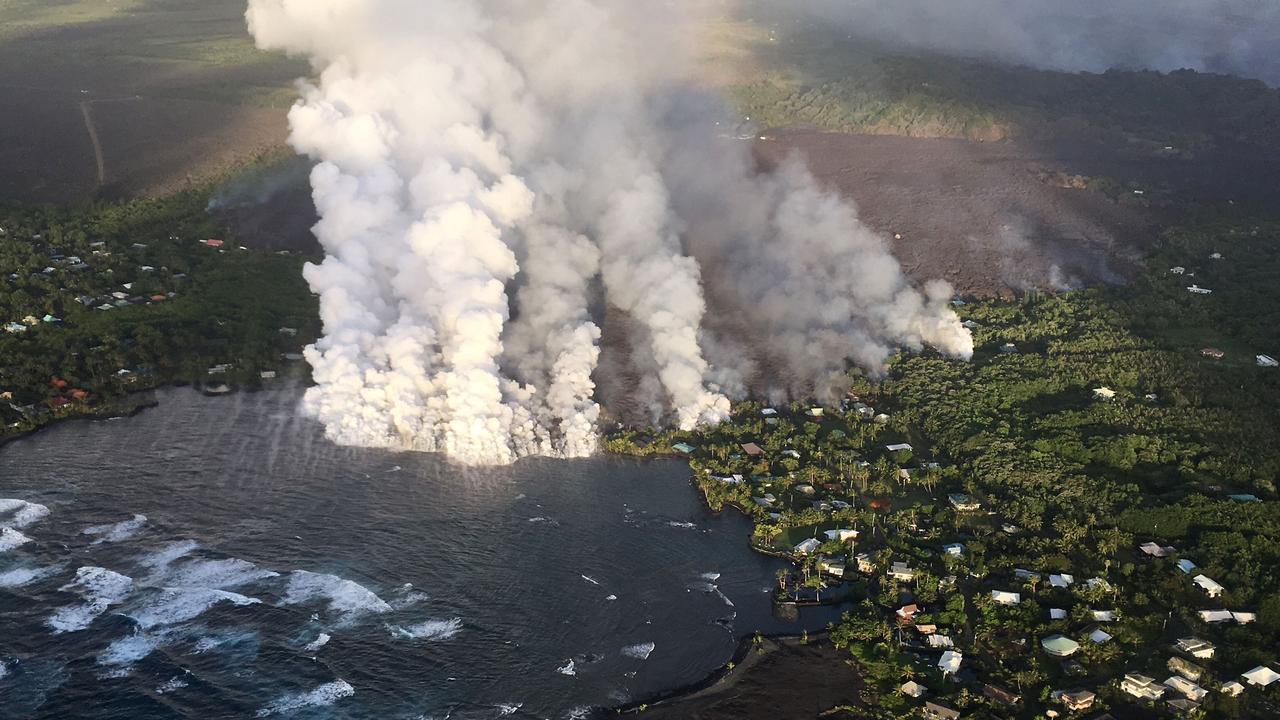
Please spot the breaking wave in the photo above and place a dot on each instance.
(100, 588)
(11, 539)
(347, 599)
(429, 630)
(115, 532)
(639, 651)
(20, 513)
(323, 696)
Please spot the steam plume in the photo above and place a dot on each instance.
(489, 170)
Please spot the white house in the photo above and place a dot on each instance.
(1157, 550)
(955, 549)
(1187, 688)
(1262, 676)
(1195, 647)
(1062, 581)
(1210, 587)
(1104, 616)
(939, 641)
(1005, 598)
(808, 547)
(911, 688)
(1057, 614)
(1186, 566)
(1141, 686)
(1099, 636)
(900, 571)
(841, 534)
(1232, 688)
(950, 661)
(1244, 618)
(898, 448)
(1267, 361)
(1199, 290)
(1215, 616)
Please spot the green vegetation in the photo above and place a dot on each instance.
(820, 78)
(102, 301)
(1063, 485)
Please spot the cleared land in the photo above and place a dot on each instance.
(174, 89)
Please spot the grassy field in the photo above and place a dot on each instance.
(175, 91)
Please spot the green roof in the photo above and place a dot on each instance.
(1059, 645)
(685, 448)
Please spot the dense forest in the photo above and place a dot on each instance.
(1088, 424)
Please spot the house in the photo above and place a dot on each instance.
(1262, 676)
(1000, 695)
(1077, 700)
(1211, 588)
(1185, 668)
(1103, 615)
(1156, 550)
(752, 450)
(832, 566)
(911, 688)
(1025, 575)
(1244, 618)
(963, 502)
(1197, 290)
(1182, 706)
(950, 662)
(1212, 353)
(1195, 647)
(769, 413)
(841, 534)
(954, 549)
(1062, 581)
(268, 374)
(1060, 646)
(683, 448)
(14, 328)
(213, 243)
(1103, 393)
(1141, 686)
(1232, 689)
(900, 447)
(864, 410)
(1215, 616)
(1057, 614)
(927, 629)
(939, 642)
(901, 572)
(934, 711)
(1267, 361)
(814, 412)
(791, 453)
(1097, 635)
(865, 565)
(1186, 688)
(1177, 270)
(806, 489)
(1186, 566)
(807, 547)
(907, 613)
(1005, 598)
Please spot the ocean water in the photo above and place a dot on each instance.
(217, 558)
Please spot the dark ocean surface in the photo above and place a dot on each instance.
(217, 558)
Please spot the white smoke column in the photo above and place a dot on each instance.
(467, 147)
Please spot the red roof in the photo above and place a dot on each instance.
(213, 243)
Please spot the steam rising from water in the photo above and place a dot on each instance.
(489, 171)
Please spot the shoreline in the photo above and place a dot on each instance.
(725, 677)
(124, 408)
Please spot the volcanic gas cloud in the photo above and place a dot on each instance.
(491, 174)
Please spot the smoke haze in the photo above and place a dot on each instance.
(492, 175)
(1228, 36)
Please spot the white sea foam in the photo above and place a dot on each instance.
(100, 588)
(710, 576)
(115, 532)
(349, 600)
(429, 630)
(639, 651)
(407, 597)
(167, 555)
(318, 643)
(176, 605)
(611, 598)
(685, 525)
(505, 709)
(122, 653)
(4, 669)
(18, 514)
(219, 574)
(11, 539)
(582, 712)
(569, 668)
(539, 520)
(173, 684)
(591, 580)
(19, 577)
(323, 696)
